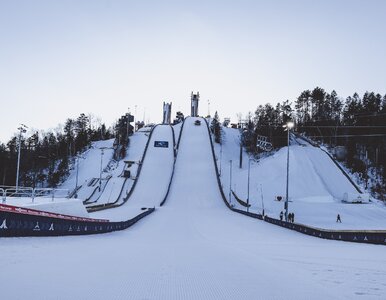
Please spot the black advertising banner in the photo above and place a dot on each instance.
(161, 144)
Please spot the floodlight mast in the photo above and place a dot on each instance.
(22, 129)
(287, 127)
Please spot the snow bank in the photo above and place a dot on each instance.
(65, 206)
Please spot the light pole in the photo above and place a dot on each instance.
(262, 198)
(22, 129)
(127, 125)
(220, 158)
(135, 117)
(287, 127)
(243, 131)
(230, 182)
(249, 175)
(100, 173)
(77, 173)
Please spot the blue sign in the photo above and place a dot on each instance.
(161, 144)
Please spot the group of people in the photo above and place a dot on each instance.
(291, 217)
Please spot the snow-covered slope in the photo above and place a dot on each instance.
(316, 186)
(112, 181)
(89, 169)
(192, 248)
(154, 178)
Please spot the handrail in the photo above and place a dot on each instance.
(102, 191)
(3, 196)
(242, 202)
(87, 201)
(29, 192)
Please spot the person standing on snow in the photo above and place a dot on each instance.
(338, 220)
(281, 216)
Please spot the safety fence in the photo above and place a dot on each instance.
(358, 236)
(12, 192)
(17, 221)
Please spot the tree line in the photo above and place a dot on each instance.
(356, 125)
(47, 156)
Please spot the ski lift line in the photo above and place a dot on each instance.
(348, 135)
(342, 126)
(365, 115)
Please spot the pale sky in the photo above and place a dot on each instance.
(61, 58)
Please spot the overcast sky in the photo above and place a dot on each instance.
(61, 58)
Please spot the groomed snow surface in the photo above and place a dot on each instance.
(191, 248)
(112, 180)
(316, 186)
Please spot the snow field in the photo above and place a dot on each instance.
(194, 247)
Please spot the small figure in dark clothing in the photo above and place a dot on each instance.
(281, 216)
(338, 220)
(289, 217)
(292, 219)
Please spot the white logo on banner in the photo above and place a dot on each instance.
(4, 224)
(51, 227)
(37, 227)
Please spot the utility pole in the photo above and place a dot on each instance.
(127, 125)
(249, 175)
(77, 173)
(135, 117)
(241, 156)
(22, 129)
(100, 173)
(230, 182)
(288, 127)
(262, 198)
(220, 158)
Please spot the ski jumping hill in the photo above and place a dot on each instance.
(114, 186)
(194, 183)
(154, 179)
(193, 247)
(316, 186)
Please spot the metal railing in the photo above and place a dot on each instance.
(29, 192)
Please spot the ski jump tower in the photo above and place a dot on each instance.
(167, 118)
(194, 98)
